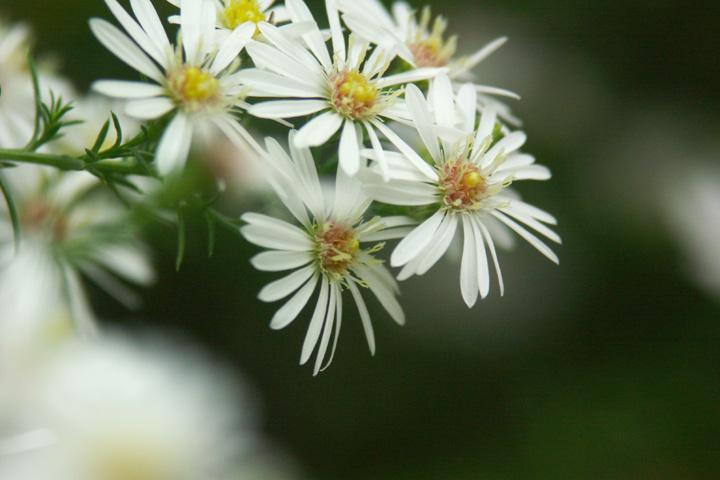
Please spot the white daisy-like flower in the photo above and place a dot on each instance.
(422, 45)
(197, 82)
(326, 250)
(67, 227)
(232, 14)
(348, 90)
(466, 185)
(120, 408)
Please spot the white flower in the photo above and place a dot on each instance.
(66, 227)
(347, 89)
(17, 104)
(197, 82)
(423, 46)
(465, 185)
(326, 250)
(123, 408)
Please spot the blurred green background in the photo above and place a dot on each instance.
(605, 367)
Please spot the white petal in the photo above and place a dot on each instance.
(468, 264)
(484, 52)
(532, 239)
(299, 12)
(399, 192)
(531, 222)
(123, 48)
(150, 22)
(318, 130)
(507, 144)
(491, 246)
(288, 312)
(270, 232)
(125, 89)
(364, 316)
(442, 98)
(532, 172)
(412, 245)
(384, 295)
(284, 286)
(287, 108)
(316, 323)
(137, 33)
(481, 269)
(268, 84)
(409, 77)
(149, 108)
(174, 145)
(232, 46)
(275, 261)
(349, 151)
(268, 57)
(411, 155)
(332, 317)
(422, 119)
(441, 241)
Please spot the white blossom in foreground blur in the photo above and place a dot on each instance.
(691, 208)
(68, 225)
(348, 90)
(326, 250)
(466, 185)
(196, 81)
(17, 104)
(121, 408)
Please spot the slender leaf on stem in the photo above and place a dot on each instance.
(181, 239)
(211, 232)
(118, 131)
(13, 212)
(38, 103)
(101, 137)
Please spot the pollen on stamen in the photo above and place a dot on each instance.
(353, 95)
(193, 87)
(463, 185)
(337, 247)
(430, 49)
(238, 12)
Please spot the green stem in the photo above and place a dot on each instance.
(69, 163)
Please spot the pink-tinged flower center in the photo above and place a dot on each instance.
(337, 246)
(428, 53)
(352, 94)
(462, 184)
(429, 48)
(193, 87)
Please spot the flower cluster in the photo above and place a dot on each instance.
(378, 132)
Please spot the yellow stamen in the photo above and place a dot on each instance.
(238, 12)
(193, 87)
(353, 94)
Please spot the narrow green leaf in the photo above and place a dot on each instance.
(211, 232)
(118, 130)
(181, 240)
(13, 212)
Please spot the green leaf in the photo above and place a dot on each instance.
(181, 240)
(118, 130)
(13, 212)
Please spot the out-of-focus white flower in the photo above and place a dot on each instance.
(692, 211)
(466, 184)
(197, 82)
(325, 250)
(117, 408)
(67, 226)
(348, 90)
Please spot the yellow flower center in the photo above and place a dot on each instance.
(429, 48)
(337, 246)
(353, 95)
(463, 185)
(192, 87)
(238, 12)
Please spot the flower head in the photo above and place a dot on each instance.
(196, 81)
(466, 184)
(348, 90)
(327, 249)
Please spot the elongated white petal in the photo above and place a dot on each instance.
(128, 261)
(288, 312)
(268, 57)
(384, 294)
(123, 48)
(442, 98)
(287, 108)
(299, 12)
(422, 119)
(150, 22)
(468, 264)
(496, 91)
(349, 151)
(149, 108)
(440, 243)
(318, 130)
(409, 77)
(292, 48)
(399, 192)
(137, 33)
(531, 222)
(532, 172)
(467, 104)
(79, 304)
(286, 285)
(336, 303)
(316, 323)
(491, 246)
(275, 261)
(174, 145)
(532, 239)
(412, 245)
(481, 269)
(364, 316)
(271, 232)
(485, 52)
(507, 144)
(328, 325)
(231, 47)
(406, 150)
(126, 89)
(268, 84)
(534, 212)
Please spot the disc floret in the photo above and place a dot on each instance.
(238, 12)
(430, 49)
(337, 247)
(193, 88)
(353, 95)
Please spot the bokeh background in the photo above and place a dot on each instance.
(605, 367)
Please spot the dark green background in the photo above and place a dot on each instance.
(605, 367)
